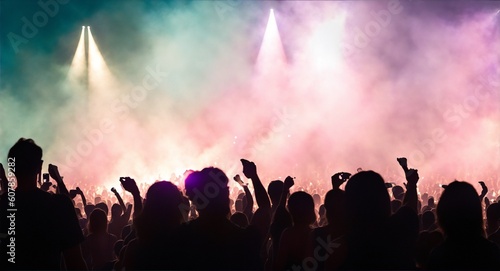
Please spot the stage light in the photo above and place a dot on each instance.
(271, 58)
(77, 71)
(326, 44)
(101, 81)
(96, 61)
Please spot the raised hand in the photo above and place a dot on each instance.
(411, 197)
(250, 171)
(72, 193)
(54, 173)
(120, 200)
(288, 182)
(129, 184)
(237, 179)
(286, 191)
(249, 168)
(403, 162)
(339, 178)
(484, 190)
(484, 187)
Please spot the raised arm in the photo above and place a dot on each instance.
(250, 171)
(127, 210)
(80, 192)
(54, 173)
(484, 190)
(248, 211)
(286, 191)
(130, 185)
(411, 197)
(119, 198)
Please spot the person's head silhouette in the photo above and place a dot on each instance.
(428, 219)
(335, 206)
(161, 212)
(274, 190)
(301, 208)
(116, 210)
(103, 206)
(27, 157)
(98, 222)
(459, 211)
(367, 199)
(208, 191)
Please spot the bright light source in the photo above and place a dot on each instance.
(78, 65)
(271, 55)
(325, 45)
(101, 81)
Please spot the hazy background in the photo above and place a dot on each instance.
(332, 92)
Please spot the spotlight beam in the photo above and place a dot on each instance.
(101, 81)
(271, 54)
(78, 66)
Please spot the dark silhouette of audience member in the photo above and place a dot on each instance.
(460, 217)
(329, 242)
(398, 192)
(295, 241)
(120, 215)
(375, 239)
(98, 247)
(493, 219)
(211, 241)
(46, 226)
(261, 219)
(274, 190)
(281, 221)
(246, 199)
(428, 221)
(103, 206)
(155, 226)
(322, 216)
(428, 239)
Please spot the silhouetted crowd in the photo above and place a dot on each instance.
(363, 222)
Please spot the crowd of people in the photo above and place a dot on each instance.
(362, 222)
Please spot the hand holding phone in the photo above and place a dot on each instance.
(46, 177)
(249, 168)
